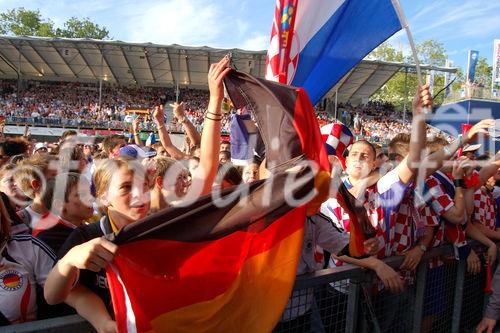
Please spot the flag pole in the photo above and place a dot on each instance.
(404, 24)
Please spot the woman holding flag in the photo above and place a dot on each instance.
(79, 277)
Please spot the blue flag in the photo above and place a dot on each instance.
(323, 40)
(471, 65)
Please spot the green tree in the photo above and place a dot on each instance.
(385, 52)
(75, 28)
(431, 52)
(26, 22)
(483, 72)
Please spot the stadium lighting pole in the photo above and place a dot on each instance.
(405, 94)
(100, 80)
(18, 74)
(178, 76)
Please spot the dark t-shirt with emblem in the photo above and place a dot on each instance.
(96, 282)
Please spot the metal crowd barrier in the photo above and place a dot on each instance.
(347, 299)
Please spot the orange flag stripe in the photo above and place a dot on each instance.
(264, 282)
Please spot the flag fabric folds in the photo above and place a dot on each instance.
(209, 267)
(315, 43)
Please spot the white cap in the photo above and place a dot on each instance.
(40, 145)
(469, 148)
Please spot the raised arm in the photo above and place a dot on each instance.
(457, 213)
(210, 138)
(135, 131)
(435, 160)
(409, 166)
(488, 170)
(171, 149)
(191, 131)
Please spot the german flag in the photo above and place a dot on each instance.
(210, 267)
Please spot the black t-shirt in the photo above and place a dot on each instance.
(55, 236)
(96, 282)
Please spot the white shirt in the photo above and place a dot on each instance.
(24, 263)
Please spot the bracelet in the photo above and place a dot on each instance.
(207, 117)
(459, 183)
(160, 127)
(136, 134)
(215, 114)
(182, 121)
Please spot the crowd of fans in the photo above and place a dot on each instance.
(77, 104)
(38, 222)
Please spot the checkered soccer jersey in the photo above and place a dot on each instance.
(380, 200)
(484, 208)
(440, 203)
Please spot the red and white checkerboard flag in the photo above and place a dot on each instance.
(337, 138)
(281, 60)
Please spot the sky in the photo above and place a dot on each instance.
(246, 24)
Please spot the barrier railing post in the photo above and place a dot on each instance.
(459, 292)
(419, 295)
(352, 306)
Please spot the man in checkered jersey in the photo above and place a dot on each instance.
(437, 206)
(382, 198)
(445, 203)
(410, 235)
(485, 210)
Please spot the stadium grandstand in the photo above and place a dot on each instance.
(92, 85)
(166, 188)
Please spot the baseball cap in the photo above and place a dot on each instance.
(134, 151)
(468, 148)
(40, 145)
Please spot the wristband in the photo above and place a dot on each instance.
(207, 117)
(459, 183)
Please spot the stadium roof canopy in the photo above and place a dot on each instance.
(87, 60)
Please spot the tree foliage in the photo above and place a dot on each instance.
(27, 22)
(430, 52)
(76, 28)
(483, 72)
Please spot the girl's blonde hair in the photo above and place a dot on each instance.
(106, 168)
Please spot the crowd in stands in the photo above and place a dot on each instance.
(376, 121)
(53, 240)
(77, 104)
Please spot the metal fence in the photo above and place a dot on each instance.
(445, 298)
(347, 299)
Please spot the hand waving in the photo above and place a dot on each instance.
(216, 76)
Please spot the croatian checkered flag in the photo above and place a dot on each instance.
(337, 138)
